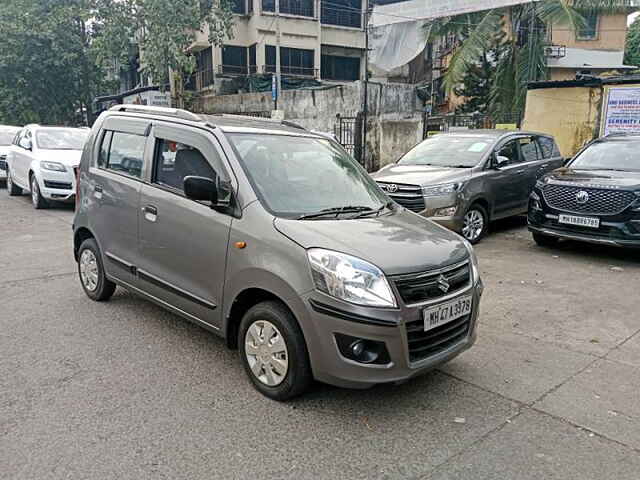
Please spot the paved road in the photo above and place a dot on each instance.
(124, 390)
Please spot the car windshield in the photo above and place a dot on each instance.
(61, 138)
(299, 176)
(613, 155)
(449, 151)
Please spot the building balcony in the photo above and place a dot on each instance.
(290, 71)
(332, 15)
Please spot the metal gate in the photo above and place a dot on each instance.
(348, 131)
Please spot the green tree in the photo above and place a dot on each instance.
(163, 30)
(47, 71)
(522, 60)
(632, 50)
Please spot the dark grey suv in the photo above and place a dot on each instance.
(274, 238)
(466, 179)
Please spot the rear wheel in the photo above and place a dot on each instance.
(476, 223)
(38, 201)
(12, 188)
(91, 271)
(545, 240)
(273, 351)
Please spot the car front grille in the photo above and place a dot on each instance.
(57, 185)
(409, 196)
(600, 201)
(432, 342)
(426, 286)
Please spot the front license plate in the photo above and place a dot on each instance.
(579, 221)
(436, 316)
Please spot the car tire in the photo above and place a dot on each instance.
(12, 189)
(91, 272)
(273, 351)
(475, 224)
(37, 200)
(545, 240)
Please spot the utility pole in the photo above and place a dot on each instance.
(365, 109)
(278, 70)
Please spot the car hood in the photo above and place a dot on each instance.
(4, 149)
(70, 158)
(397, 243)
(595, 178)
(421, 174)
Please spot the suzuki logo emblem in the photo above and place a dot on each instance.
(582, 197)
(443, 284)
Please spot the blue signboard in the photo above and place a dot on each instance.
(274, 88)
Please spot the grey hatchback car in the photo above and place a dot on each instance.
(466, 179)
(274, 238)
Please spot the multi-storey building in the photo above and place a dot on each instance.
(319, 39)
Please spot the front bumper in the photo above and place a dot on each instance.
(58, 186)
(334, 317)
(622, 230)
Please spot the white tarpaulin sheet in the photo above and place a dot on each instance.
(397, 35)
(622, 114)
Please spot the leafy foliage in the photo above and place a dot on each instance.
(518, 60)
(632, 51)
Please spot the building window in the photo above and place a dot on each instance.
(303, 8)
(293, 61)
(252, 59)
(238, 6)
(234, 60)
(204, 68)
(345, 13)
(334, 67)
(590, 29)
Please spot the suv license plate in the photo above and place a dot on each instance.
(447, 312)
(579, 221)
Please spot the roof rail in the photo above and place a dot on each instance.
(165, 112)
(286, 123)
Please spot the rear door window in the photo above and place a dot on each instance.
(125, 153)
(529, 149)
(548, 147)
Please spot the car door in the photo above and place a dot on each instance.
(505, 183)
(114, 193)
(533, 162)
(183, 242)
(22, 159)
(552, 158)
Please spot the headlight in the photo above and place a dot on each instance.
(475, 266)
(440, 190)
(55, 166)
(349, 278)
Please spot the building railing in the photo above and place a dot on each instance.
(299, 8)
(292, 71)
(236, 70)
(333, 15)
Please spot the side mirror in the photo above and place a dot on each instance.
(500, 161)
(207, 190)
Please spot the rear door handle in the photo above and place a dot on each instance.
(150, 213)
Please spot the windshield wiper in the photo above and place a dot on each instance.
(460, 166)
(335, 211)
(377, 212)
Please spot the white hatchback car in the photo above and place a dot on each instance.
(7, 134)
(43, 161)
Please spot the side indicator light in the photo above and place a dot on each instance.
(240, 245)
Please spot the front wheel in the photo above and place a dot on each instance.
(273, 351)
(12, 189)
(545, 240)
(91, 271)
(38, 201)
(476, 224)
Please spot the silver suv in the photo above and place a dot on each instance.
(274, 238)
(466, 179)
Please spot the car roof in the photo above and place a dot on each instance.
(225, 122)
(496, 133)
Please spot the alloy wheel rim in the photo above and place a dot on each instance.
(89, 270)
(266, 353)
(473, 225)
(34, 190)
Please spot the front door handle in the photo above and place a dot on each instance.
(150, 213)
(520, 171)
(98, 191)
